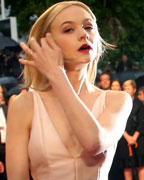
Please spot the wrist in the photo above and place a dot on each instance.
(136, 134)
(56, 76)
(55, 73)
(126, 135)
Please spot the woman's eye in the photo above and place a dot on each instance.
(88, 27)
(68, 30)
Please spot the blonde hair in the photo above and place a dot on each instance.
(33, 78)
(129, 83)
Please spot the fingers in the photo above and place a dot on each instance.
(34, 45)
(51, 41)
(27, 62)
(44, 44)
(29, 52)
(25, 48)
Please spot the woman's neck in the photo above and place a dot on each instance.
(77, 78)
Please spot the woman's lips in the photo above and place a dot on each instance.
(85, 48)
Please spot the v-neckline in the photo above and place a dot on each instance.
(53, 124)
(90, 109)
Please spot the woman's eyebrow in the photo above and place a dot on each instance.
(66, 22)
(88, 19)
(70, 22)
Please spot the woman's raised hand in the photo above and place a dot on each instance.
(46, 57)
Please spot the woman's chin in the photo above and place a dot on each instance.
(78, 61)
(88, 60)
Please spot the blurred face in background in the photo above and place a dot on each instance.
(1, 94)
(130, 90)
(124, 58)
(105, 81)
(141, 96)
(116, 86)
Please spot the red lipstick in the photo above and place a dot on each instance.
(84, 48)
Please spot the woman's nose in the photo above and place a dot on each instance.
(82, 34)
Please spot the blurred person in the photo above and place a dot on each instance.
(140, 94)
(3, 114)
(116, 63)
(13, 65)
(131, 145)
(3, 63)
(115, 172)
(124, 65)
(116, 85)
(65, 128)
(108, 68)
(135, 66)
(104, 81)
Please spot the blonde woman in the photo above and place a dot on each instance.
(65, 127)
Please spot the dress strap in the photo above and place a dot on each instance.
(99, 104)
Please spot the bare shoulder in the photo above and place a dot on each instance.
(23, 100)
(21, 108)
(117, 100)
(95, 90)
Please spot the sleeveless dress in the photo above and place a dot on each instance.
(49, 157)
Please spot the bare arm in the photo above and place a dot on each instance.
(18, 127)
(95, 135)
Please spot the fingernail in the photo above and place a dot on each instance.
(48, 34)
(32, 38)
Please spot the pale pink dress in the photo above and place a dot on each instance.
(50, 159)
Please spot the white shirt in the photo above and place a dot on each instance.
(2, 126)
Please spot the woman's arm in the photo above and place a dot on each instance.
(18, 127)
(94, 135)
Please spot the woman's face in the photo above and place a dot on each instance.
(115, 86)
(130, 90)
(74, 31)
